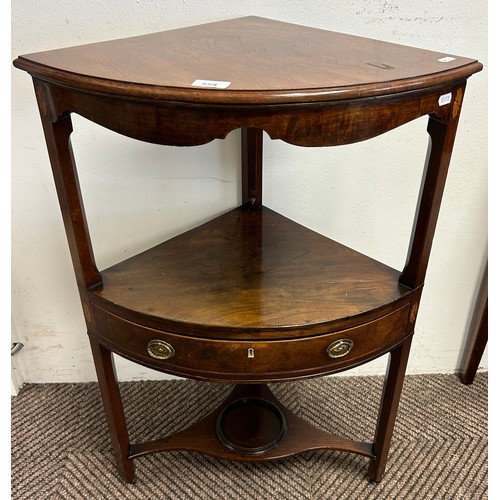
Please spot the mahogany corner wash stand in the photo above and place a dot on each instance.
(249, 297)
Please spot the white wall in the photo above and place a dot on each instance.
(139, 194)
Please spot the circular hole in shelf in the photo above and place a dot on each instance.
(251, 426)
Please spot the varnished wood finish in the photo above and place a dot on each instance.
(442, 136)
(266, 62)
(226, 359)
(250, 274)
(113, 408)
(57, 136)
(393, 386)
(251, 296)
(201, 436)
(329, 123)
(478, 335)
(251, 167)
(476, 345)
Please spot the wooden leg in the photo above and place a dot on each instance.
(478, 334)
(113, 408)
(475, 349)
(251, 167)
(388, 409)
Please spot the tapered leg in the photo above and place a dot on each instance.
(388, 409)
(113, 408)
(478, 335)
(475, 349)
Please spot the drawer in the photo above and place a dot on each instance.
(249, 360)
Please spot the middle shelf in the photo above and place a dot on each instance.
(250, 274)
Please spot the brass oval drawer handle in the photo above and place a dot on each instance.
(339, 348)
(160, 349)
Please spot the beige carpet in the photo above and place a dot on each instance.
(60, 447)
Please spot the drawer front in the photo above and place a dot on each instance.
(250, 361)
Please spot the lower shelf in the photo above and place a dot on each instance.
(251, 425)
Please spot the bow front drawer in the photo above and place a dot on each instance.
(253, 360)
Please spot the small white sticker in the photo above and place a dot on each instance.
(446, 59)
(211, 84)
(444, 99)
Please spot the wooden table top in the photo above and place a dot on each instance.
(247, 60)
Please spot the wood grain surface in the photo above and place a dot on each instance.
(262, 60)
(249, 270)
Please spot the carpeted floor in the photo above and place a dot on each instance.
(60, 446)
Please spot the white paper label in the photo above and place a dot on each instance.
(444, 99)
(446, 59)
(211, 84)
